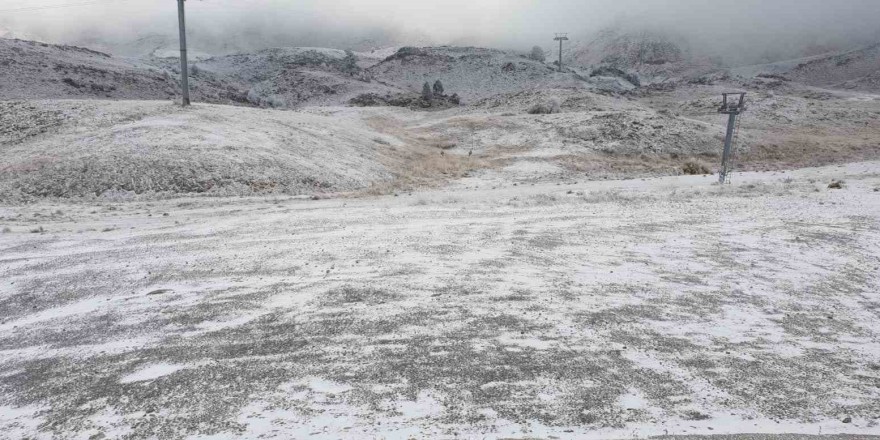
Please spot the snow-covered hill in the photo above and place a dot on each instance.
(94, 148)
(857, 69)
(472, 73)
(655, 56)
(293, 77)
(33, 70)
(283, 78)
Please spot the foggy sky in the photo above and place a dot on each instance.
(743, 26)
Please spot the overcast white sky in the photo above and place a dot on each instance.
(503, 23)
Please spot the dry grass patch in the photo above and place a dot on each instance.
(695, 167)
(420, 169)
(804, 150)
(632, 165)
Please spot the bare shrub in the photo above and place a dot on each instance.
(256, 97)
(538, 54)
(548, 107)
(6, 230)
(349, 63)
(275, 101)
(444, 145)
(694, 168)
(253, 96)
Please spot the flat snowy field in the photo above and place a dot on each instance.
(585, 310)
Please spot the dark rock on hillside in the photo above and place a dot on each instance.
(412, 101)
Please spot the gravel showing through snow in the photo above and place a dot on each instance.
(583, 310)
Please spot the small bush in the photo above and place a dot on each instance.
(549, 107)
(427, 92)
(254, 96)
(275, 101)
(6, 230)
(695, 168)
(349, 63)
(537, 54)
(257, 98)
(837, 184)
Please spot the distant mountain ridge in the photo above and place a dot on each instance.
(653, 55)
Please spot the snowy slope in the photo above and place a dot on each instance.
(286, 77)
(654, 55)
(38, 70)
(855, 69)
(34, 70)
(472, 73)
(88, 148)
(293, 77)
(590, 310)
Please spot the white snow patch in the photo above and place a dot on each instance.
(21, 422)
(633, 399)
(324, 386)
(78, 308)
(152, 372)
(535, 343)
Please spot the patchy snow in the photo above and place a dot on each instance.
(21, 422)
(87, 306)
(152, 372)
(461, 308)
(148, 147)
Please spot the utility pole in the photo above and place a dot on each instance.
(560, 38)
(732, 107)
(184, 66)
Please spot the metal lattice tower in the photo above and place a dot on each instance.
(732, 107)
(560, 38)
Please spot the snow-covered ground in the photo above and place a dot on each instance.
(122, 148)
(616, 309)
(471, 272)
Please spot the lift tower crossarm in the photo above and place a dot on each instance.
(560, 38)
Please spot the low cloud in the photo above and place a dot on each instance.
(747, 29)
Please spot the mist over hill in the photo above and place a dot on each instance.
(778, 29)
